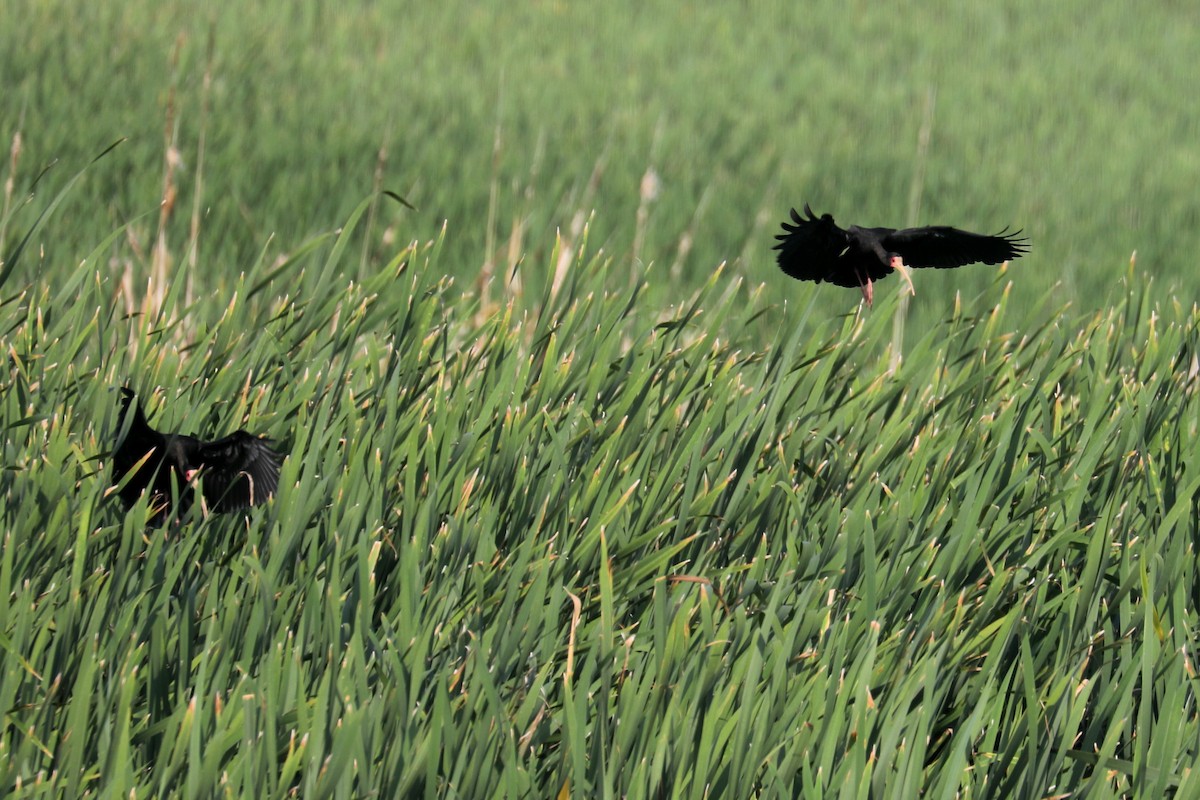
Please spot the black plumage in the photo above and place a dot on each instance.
(236, 472)
(815, 249)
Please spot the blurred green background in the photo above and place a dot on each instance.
(1072, 121)
(692, 536)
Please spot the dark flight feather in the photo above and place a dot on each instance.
(945, 247)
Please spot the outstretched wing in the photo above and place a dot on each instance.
(238, 471)
(945, 247)
(809, 250)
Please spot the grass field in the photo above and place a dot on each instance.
(582, 498)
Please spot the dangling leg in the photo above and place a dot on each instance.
(864, 283)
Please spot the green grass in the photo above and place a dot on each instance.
(569, 510)
(600, 547)
(510, 125)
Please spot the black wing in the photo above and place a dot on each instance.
(810, 250)
(238, 471)
(136, 440)
(944, 247)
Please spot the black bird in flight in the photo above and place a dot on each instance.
(238, 471)
(818, 250)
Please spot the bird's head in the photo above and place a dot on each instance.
(178, 452)
(897, 263)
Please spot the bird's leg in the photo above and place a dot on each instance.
(898, 264)
(864, 283)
